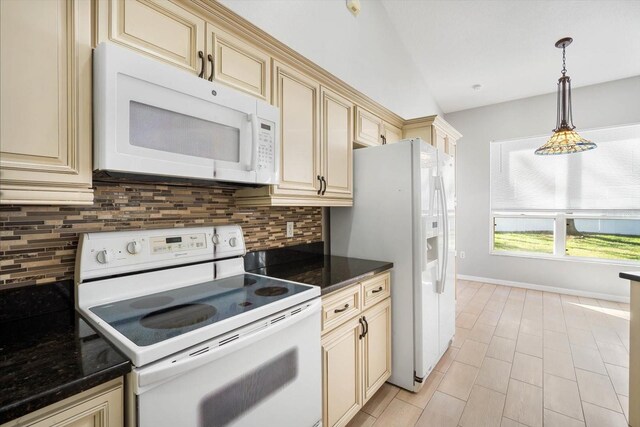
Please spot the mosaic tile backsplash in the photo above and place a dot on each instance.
(38, 243)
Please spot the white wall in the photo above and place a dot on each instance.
(364, 51)
(607, 104)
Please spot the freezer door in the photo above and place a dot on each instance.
(447, 303)
(429, 243)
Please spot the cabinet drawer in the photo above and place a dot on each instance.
(339, 307)
(376, 289)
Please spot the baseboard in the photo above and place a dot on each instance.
(576, 292)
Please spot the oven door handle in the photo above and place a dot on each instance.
(151, 376)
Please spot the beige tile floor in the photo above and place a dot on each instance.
(520, 358)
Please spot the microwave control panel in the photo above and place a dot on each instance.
(266, 146)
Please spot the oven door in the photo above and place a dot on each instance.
(152, 119)
(269, 375)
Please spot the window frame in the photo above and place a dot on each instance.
(559, 235)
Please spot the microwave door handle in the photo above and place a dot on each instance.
(253, 118)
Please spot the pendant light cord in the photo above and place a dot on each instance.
(564, 66)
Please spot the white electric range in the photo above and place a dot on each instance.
(211, 345)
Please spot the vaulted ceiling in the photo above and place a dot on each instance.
(507, 46)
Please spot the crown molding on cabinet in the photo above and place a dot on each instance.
(435, 121)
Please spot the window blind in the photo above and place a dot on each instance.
(601, 179)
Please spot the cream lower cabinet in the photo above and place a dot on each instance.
(315, 145)
(342, 366)
(45, 112)
(356, 347)
(101, 406)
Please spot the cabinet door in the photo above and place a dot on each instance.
(337, 128)
(440, 139)
(368, 128)
(341, 374)
(297, 96)
(104, 410)
(45, 96)
(377, 347)
(159, 28)
(391, 133)
(237, 63)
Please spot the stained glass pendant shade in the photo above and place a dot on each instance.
(565, 139)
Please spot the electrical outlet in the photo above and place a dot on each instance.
(461, 254)
(289, 229)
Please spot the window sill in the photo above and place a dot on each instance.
(565, 258)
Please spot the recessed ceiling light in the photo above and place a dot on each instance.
(476, 87)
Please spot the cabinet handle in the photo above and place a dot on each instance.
(364, 331)
(384, 139)
(201, 56)
(366, 324)
(340, 310)
(210, 58)
(325, 185)
(375, 291)
(320, 190)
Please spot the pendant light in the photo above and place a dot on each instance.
(565, 139)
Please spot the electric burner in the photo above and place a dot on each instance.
(178, 316)
(271, 291)
(151, 302)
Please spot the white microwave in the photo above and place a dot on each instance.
(153, 120)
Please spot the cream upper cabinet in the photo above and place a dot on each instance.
(434, 130)
(238, 64)
(342, 367)
(356, 347)
(391, 133)
(158, 28)
(377, 347)
(298, 96)
(101, 406)
(45, 112)
(368, 129)
(316, 163)
(337, 125)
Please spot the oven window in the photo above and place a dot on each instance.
(164, 130)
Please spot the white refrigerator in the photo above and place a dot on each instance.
(404, 211)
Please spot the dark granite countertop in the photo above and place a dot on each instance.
(631, 275)
(45, 358)
(308, 264)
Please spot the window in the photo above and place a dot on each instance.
(576, 206)
(603, 238)
(523, 234)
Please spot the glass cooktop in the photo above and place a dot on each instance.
(157, 317)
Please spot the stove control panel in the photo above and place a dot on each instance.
(116, 252)
(178, 243)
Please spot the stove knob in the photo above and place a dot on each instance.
(104, 256)
(134, 247)
(233, 242)
(215, 239)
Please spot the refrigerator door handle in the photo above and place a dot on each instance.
(445, 226)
